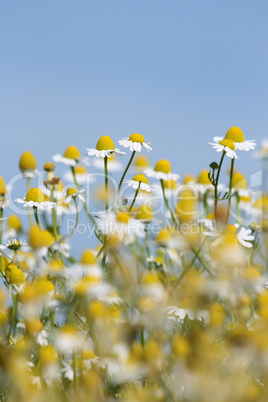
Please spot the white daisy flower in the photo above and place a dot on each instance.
(135, 142)
(70, 157)
(13, 244)
(3, 200)
(161, 171)
(113, 164)
(62, 247)
(35, 198)
(58, 193)
(139, 181)
(73, 193)
(81, 174)
(224, 144)
(105, 147)
(121, 226)
(234, 134)
(242, 235)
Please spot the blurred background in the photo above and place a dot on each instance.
(178, 72)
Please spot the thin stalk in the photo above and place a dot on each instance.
(230, 191)
(125, 172)
(167, 205)
(216, 185)
(13, 316)
(134, 199)
(36, 217)
(74, 369)
(54, 222)
(76, 221)
(28, 184)
(106, 182)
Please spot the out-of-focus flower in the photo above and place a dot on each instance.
(28, 165)
(73, 193)
(135, 143)
(70, 157)
(161, 171)
(139, 181)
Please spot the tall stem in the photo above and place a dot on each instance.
(216, 186)
(13, 316)
(36, 217)
(167, 204)
(230, 191)
(134, 199)
(28, 183)
(54, 223)
(125, 172)
(106, 182)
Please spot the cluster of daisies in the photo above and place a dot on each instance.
(168, 300)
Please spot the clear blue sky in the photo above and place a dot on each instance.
(176, 71)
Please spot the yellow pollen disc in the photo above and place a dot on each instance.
(261, 203)
(122, 217)
(105, 143)
(3, 190)
(203, 177)
(239, 181)
(170, 184)
(88, 354)
(235, 134)
(144, 212)
(47, 355)
(80, 169)
(48, 238)
(71, 191)
(229, 230)
(88, 257)
(210, 216)
(141, 178)
(27, 161)
(60, 186)
(163, 166)
(136, 138)
(33, 325)
(150, 278)
(49, 167)
(163, 236)
(188, 178)
(14, 274)
(141, 161)
(227, 143)
(2, 181)
(36, 195)
(72, 153)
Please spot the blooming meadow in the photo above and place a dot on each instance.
(169, 300)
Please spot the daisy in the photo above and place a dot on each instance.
(226, 145)
(235, 134)
(28, 165)
(141, 162)
(3, 200)
(70, 157)
(134, 143)
(58, 191)
(161, 171)
(139, 181)
(73, 193)
(105, 147)
(113, 164)
(35, 198)
(13, 245)
(242, 235)
(81, 174)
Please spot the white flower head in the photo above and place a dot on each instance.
(113, 164)
(13, 244)
(135, 143)
(243, 236)
(105, 147)
(224, 144)
(70, 157)
(139, 181)
(161, 171)
(35, 198)
(81, 174)
(73, 193)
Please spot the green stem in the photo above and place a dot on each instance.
(13, 316)
(74, 369)
(76, 222)
(28, 184)
(134, 199)
(125, 172)
(106, 182)
(216, 185)
(36, 217)
(230, 191)
(54, 222)
(167, 204)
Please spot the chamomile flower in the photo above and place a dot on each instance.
(70, 157)
(13, 245)
(141, 162)
(3, 200)
(224, 144)
(81, 174)
(28, 165)
(139, 181)
(135, 142)
(161, 171)
(73, 193)
(58, 191)
(105, 147)
(242, 235)
(35, 198)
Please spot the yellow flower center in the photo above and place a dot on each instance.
(40, 238)
(3, 190)
(88, 354)
(163, 166)
(227, 142)
(2, 181)
(36, 195)
(33, 325)
(71, 191)
(235, 134)
(229, 230)
(88, 258)
(141, 178)
(105, 143)
(60, 186)
(48, 238)
(122, 217)
(49, 167)
(47, 355)
(14, 274)
(80, 169)
(136, 138)
(13, 222)
(72, 153)
(141, 161)
(163, 236)
(144, 212)
(27, 161)
(188, 178)
(203, 177)
(170, 184)
(210, 216)
(239, 181)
